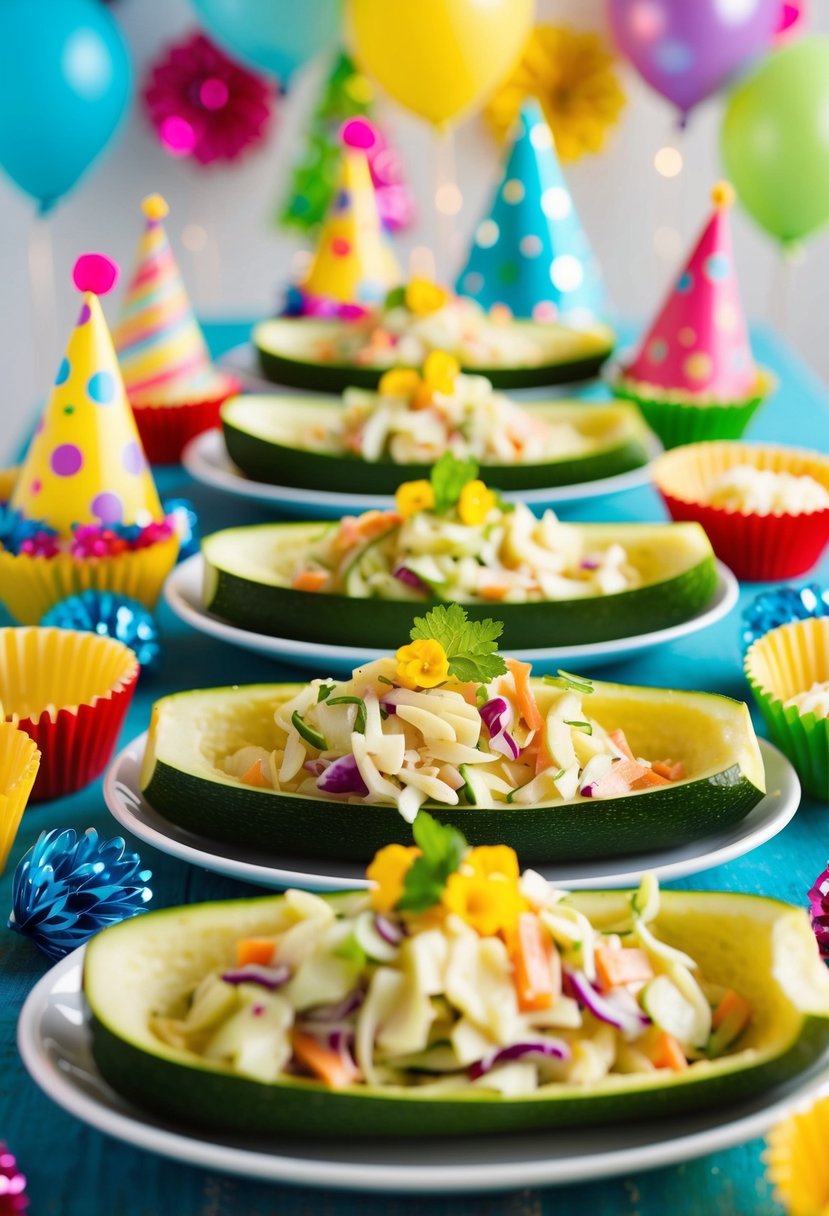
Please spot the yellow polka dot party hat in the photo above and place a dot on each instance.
(354, 262)
(84, 511)
(693, 374)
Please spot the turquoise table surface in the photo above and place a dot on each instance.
(75, 1171)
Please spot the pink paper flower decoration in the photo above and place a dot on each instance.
(12, 1184)
(204, 105)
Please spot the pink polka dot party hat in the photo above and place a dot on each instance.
(84, 511)
(693, 375)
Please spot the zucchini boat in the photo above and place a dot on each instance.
(755, 956)
(192, 734)
(249, 573)
(289, 351)
(268, 438)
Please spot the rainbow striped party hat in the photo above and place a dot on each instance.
(163, 355)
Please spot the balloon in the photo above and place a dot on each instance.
(439, 58)
(686, 49)
(277, 36)
(65, 82)
(775, 140)
(791, 18)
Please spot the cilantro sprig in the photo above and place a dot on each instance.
(471, 647)
(442, 849)
(448, 477)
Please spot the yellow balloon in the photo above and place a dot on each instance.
(439, 58)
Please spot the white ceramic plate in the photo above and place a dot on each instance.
(206, 460)
(122, 793)
(54, 1041)
(183, 589)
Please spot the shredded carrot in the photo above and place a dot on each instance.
(375, 523)
(255, 775)
(669, 770)
(310, 580)
(255, 950)
(536, 964)
(526, 699)
(648, 779)
(629, 965)
(620, 739)
(493, 591)
(668, 1053)
(732, 1006)
(330, 1066)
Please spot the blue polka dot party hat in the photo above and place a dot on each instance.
(354, 262)
(85, 464)
(531, 252)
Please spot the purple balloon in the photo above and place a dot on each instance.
(687, 49)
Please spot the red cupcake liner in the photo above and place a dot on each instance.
(165, 430)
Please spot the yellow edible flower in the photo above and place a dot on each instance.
(475, 502)
(423, 297)
(795, 1163)
(492, 861)
(489, 905)
(399, 382)
(440, 371)
(413, 496)
(388, 872)
(422, 664)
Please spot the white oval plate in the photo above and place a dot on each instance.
(183, 592)
(206, 460)
(122, 794)
(54, 1040)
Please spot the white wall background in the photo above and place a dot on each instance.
(638, 222)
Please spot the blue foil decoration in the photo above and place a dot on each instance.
(186, 523)
(110, 615)
(67, 888)
(770, 609)
(15, 528)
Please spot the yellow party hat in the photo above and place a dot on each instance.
(85, 464)
(354, 262)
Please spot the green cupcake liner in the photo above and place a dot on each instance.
(677, 423)
(803, 738)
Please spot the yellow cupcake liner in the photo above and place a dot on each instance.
(786, 661)
(796, 1161)
(69, 691)
(30, 586)
(8, 480)
(19, 762)
(686, 473)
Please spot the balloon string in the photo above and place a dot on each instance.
(445, 200)
(41, 262)
(780, 293)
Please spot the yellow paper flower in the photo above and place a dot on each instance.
(399, 382)
(487, 905)
(475, 502)
(492, 861)
(413, 496)
(571, 74)
(422, 664)
(440, 371)
(424, 297)
(797, 1164)
(388, 871)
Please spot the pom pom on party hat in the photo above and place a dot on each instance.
(531, 253)
(85, 464)
(163, 355)
(353, 262)
(698, 343)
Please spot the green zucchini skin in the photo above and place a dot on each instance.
(221, 1102)
(289, 825)
(277, 464)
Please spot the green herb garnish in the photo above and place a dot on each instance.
(586, 728)
(309, 733)
(448, 477)
(566, 679)
(442, 849)
(325, 691)
(470, 646)
(360, 719)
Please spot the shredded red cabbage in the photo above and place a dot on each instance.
(497, 716)
(625, 1016)
(389, 930)
(404, 575)
(342, 777)
(255, 973)
(549, 1049)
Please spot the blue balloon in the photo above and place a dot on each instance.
(65, 83)
(276, 36)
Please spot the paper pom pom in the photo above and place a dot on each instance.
(67, 888)
(95, 272)
(155, 207)
(185, 520)
(819, 912)
(12, 1184)
(772, 608)
(722, 194)
(112, 616)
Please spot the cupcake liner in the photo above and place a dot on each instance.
(789, 660)
(756, 547)
(166, 427)
(69, 692)
(679, 420)
(8, 478)
(19, 762)
(796, 1162)
(30, 586)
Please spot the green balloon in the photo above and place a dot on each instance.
(775, 140)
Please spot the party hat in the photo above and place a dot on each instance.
(85, 464)
(531, 253)
(161, 348)
(353, 263)
(698, 343)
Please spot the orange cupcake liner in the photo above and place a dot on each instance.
(758, 548)
(167, 427)
(19, 762)
(69, 692)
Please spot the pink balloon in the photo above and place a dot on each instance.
(687, 49)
